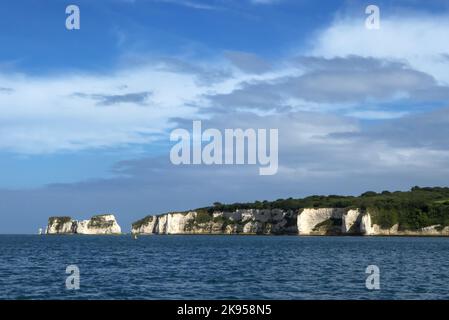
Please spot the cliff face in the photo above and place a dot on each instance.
(60, 225)
(310, 221)
(436, 230)
(367, 227)
(100, 224)
(239, 222)
(320, 221)
(351, 222)
(331, 221)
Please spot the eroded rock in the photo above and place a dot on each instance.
(99, 224)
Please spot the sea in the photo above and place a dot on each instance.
(223, 267)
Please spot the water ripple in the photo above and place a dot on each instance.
(222, 267)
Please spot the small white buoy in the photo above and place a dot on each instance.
(135, 236)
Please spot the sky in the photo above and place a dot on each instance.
(86, 115)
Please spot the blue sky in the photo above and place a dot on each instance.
(85, 114)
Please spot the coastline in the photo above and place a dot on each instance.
(147, 235)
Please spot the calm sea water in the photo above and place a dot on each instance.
(223, 267)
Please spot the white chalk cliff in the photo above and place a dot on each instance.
(308, 221)
(99, 224)
(250, 221)
(351, 221)
(317, 221)
(60, 225)
(366, 227)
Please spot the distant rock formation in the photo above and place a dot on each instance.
(60, 225)
(99, 224)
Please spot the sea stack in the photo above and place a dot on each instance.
(98, 224)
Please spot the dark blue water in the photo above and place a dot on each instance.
(223, 267)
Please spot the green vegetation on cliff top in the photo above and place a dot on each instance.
(142, 222)
(99, 221)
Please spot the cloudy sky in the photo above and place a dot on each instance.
(85, 115)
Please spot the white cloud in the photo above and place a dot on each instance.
(323, 85)
(418, 39)
(48, 114)
(133, 105)
(75, 111)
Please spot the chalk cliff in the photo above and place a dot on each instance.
(99, 224)
(60, 225)
(309, 221)
(250, 221)
(320, 221)
(351, 222)
(368, 228)
(435, 230)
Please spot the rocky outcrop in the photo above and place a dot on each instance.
(99, 224)
(366, 227)
(250, 221)
(60, 225)
(320, 221)
(177, 223)
(371, 229)
(351, 222)
(435, 230)
(145, 226)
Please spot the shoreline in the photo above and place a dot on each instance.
(225, 235)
